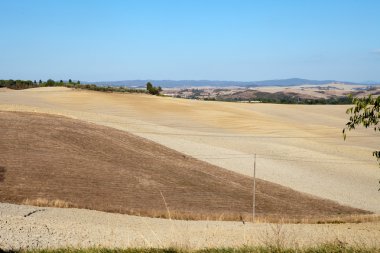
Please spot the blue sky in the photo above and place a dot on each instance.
(189, 39)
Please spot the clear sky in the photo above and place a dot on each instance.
(189, 39)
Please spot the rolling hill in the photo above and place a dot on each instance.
(218, 83)
(47, 157)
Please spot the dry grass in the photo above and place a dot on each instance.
(335, 219)
(177, 215)
(335, 247)
(48, 203)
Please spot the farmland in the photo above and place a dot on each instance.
(297, 146)
(182, 159)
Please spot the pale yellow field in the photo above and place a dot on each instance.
(319, 91)
(299, 146)
(80, 228)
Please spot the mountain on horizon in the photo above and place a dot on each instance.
(212, 83)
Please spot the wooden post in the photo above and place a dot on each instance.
(254, 191)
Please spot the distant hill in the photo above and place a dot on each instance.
(296, 81)
(176, 83)
(202, 83)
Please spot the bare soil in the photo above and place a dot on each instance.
(28, 227)
(97, 167)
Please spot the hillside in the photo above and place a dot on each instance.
(298, 146)
(96, 167)
(218, 83)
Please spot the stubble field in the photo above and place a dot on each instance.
(299, 147)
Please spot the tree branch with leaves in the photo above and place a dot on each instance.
(366, 113)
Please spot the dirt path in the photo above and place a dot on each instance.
(34, 227)
(298, 146)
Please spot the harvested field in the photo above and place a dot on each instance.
(57, 161)
(298, 146)
(47, 227)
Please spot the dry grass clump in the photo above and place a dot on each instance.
(357, 218)
(183, 215)
(246, 217)
(48, 203)
(324, 248)
(334, 219)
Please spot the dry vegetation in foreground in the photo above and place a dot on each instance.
(55, 161)
(48, 203)
(178, 215)
(325, 248)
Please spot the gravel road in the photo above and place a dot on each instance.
(43, 227)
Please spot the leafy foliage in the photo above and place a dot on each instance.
(22, 84)
(50, 82)
(366, 113)
(17, 84)
(152, 89)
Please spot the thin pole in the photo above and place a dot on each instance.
(254, 191)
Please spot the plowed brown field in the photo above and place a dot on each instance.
(101, 168)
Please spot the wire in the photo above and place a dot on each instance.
(212, 127)
(285, 159)
(227, 156)
(266, 157)
(254, 136)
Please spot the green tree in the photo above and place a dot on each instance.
(40, 81)
(70, 81)
(149, 86)
(153, 90)
(50, 82)
(366, 113)
(78, 82)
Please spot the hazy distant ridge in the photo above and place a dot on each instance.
(297, 81)
(199, 83)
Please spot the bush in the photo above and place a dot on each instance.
(50, 83)
(152, 89)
